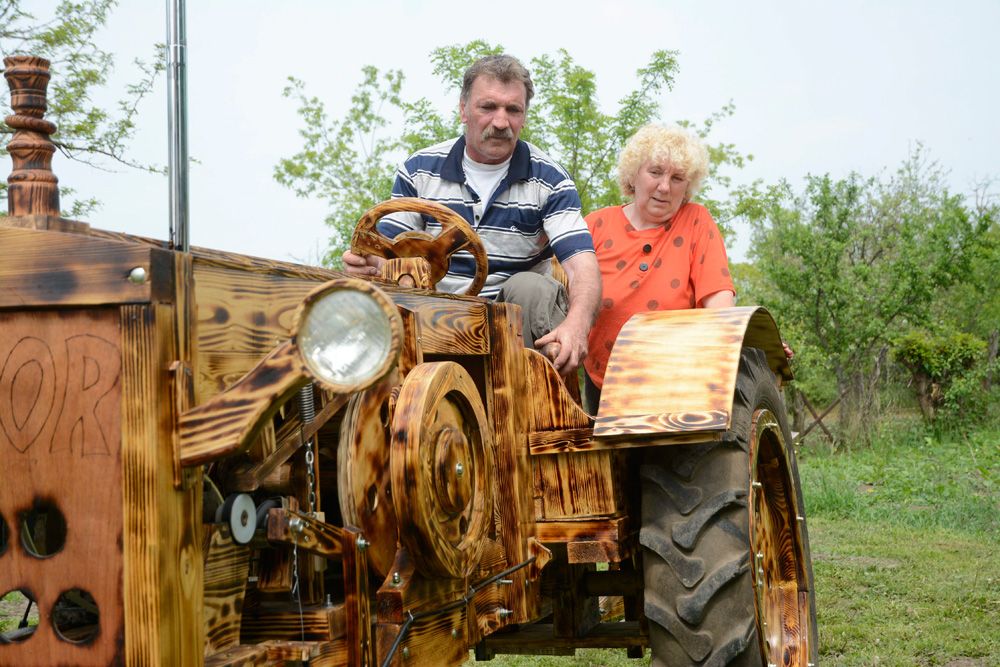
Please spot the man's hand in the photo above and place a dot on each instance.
(566, 345)
(367, 265)
(584, 295)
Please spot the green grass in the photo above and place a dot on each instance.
(906, 551)
(889, 595)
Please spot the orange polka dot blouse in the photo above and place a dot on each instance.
(671, 267)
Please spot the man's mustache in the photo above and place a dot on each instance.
(491, 133)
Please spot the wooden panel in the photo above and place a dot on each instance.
(228, 422)
(226, 566)
(44, 268)
(536, 638)
(571, 484)
(513, 495)
(448, 326)
(581, 484)
(271, 620)
(554, 409)
(61, 446)
(239, 656)
(163, 543)
(315, 536)
(598, 541)
(561, 441)
(357, 601)
(314, 654)
(245, 312)
(666, 364)
(241, 317)
(428, 641)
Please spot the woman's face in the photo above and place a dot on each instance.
(660, 190)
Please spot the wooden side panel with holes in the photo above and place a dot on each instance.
(61, 450)
(162, 537)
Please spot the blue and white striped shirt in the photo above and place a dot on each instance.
(534, 212)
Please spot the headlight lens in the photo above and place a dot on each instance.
(348, 337)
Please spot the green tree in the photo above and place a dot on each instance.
(851, 264)
(86, 131)
(350, 162)
(972, 305)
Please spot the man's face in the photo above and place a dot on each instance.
(493, 117)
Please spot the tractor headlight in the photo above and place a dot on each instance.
(348, 334)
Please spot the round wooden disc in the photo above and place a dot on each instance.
(363, 478)
(441, 460)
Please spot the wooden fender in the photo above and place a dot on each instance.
(672, 373)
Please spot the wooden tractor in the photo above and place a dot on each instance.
(213, 459)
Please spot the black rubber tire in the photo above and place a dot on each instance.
(696, 547)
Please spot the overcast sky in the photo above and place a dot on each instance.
(825, 87)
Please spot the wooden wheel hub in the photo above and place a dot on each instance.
(778, 562)
(441, 453)
(452, 461)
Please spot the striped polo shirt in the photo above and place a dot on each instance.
(534, 212)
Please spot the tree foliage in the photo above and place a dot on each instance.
(852, 264)
(940, 364)
(350, 161)
(86, 132)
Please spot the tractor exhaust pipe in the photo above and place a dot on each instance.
(177, 154)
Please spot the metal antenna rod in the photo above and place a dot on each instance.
(177, 154)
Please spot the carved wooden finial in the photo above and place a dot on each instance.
(34, 189)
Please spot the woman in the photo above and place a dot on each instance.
(660, 251)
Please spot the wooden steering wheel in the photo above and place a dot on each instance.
(456, 234)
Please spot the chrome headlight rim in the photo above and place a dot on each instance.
(385, 306)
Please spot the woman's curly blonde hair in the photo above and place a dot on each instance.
(665, 144)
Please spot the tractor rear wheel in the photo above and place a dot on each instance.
(726, 564)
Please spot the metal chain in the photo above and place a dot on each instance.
(311, 476)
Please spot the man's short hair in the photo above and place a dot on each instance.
(504, 69)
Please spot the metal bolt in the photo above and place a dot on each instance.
(362, 543)
(137, 275)
(406, 651)
(296, 524)
(504, 613)
(758, 485)
(800, 518)
(395, 578)
(454, 633)
(459, 469)
(329, 600)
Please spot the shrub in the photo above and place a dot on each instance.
(947, 379)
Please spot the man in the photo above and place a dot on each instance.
(522, 204)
